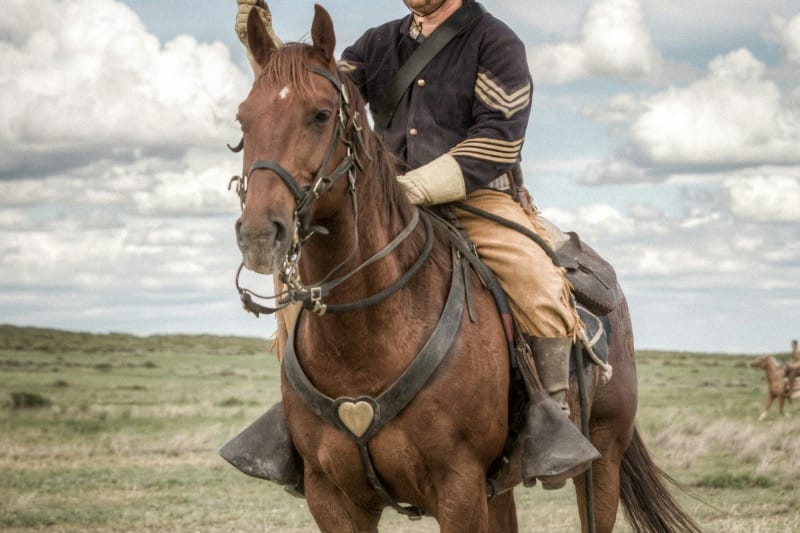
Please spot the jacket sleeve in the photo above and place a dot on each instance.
(500, 111)
(353, 61)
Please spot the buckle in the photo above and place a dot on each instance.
(315, 298)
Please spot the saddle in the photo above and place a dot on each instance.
(594, 281)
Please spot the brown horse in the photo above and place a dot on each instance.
(776, 383)
(320, 202)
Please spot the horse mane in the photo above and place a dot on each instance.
(379, 162)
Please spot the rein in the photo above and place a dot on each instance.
(312, 296)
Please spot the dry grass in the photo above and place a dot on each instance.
(130, 446)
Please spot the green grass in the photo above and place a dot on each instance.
(128, 439)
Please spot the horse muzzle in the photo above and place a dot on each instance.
(263, 246)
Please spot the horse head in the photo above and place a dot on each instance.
(293, 123)
(763, 362)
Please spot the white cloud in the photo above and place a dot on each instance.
(614, 171)
(85, 76)
(153, 223)
(734, 115)
(594, 221)
(767, 197)
(789, 35)
(614, 42)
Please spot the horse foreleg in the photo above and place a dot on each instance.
(333, 511)
(461, 500)
(781, 399)
(503, 513)
(770, 398)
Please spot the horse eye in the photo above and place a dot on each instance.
(322, 116)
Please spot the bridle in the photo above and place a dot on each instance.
(304, 196)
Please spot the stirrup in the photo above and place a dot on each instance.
(554, 449)
(264, 450)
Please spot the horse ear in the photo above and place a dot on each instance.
(322, 34)
(259, 43)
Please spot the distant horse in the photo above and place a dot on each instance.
(776, 383)
(321, 202)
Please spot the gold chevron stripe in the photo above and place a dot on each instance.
(491, 85)
(489, 149)
(508, 111)
(485, 149)
(495, 96)
(497, 144)
(490, 97)
(486, 156)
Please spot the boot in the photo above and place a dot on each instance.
(264, 450)
(554, 450)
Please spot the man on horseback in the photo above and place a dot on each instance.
(792, 368)
(458, 129)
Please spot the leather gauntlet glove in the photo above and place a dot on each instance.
(245, 6)
(437, 182)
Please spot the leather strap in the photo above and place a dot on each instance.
(394, 399)
(423, 55)
(388, 404)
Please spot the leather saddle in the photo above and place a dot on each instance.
(593, 279)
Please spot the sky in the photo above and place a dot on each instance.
(667, 134)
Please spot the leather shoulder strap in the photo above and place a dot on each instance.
(423, 55)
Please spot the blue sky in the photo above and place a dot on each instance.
(666, 133)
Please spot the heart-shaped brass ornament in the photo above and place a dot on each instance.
(356, 416)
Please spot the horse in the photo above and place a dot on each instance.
(776, 383)
(320, 202)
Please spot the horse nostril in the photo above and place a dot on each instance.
(273, 230)
(280, 231)
(238, 230)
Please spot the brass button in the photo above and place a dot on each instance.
(420, 83)
(413, 132)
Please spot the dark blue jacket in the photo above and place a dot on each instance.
(472, 100)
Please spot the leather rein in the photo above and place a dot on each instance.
(312, 296)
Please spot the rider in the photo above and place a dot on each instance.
(459, 129)
(792, 367)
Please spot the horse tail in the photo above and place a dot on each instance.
(648, 504)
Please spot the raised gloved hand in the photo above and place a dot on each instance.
(245, 6)
(437, 182)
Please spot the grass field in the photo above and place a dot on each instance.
(119, 433)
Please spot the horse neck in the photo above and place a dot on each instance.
(377, 223)
(772, 369)
(772, 365)
(361, 348)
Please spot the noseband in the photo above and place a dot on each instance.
(304, 196)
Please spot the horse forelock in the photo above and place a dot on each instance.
(288, 67)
